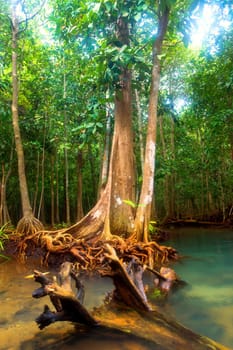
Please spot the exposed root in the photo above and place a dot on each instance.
(28, 225)
(89, 255)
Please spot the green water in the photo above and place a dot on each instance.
(18, 330)
(206, 304)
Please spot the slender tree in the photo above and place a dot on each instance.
(145, 202)
(28, 223)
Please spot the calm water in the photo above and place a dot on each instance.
(18, 310)
(205, 305)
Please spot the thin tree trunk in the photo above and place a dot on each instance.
(26, 206)
(57, 192)
(145, 203)
(4, 214)
(28, 224)
(106, 155)
(52, 215)
(222, 198)
(79, 187)
(42, 187)
(42, 171)
(67, 187)
(166, 178)
(139, 115)
(173, 173)
(93, 170)
(66, 153)
(36, 182)
(2, 190)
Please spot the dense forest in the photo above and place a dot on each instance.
(86, 87)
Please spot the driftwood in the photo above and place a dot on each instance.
(68, 306)
(129, 285)
(134, 315)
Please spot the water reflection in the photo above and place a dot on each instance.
(205, 305)
(208, 300)
(98, 339)
(18, 331)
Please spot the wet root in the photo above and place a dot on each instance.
(29, 225)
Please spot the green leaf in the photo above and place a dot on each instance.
(130, 203)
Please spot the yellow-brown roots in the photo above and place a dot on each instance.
(28, 225)
(89, 255)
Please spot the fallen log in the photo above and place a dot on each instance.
(128, 289)
(133, 315)
(163, 331)
(68, 306)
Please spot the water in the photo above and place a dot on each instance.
(206, 304)
(18, 310)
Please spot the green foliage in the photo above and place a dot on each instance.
(155, 295)
(152, 226)
(3, 238)
(65, 79)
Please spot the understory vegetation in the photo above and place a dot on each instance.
(69, 62)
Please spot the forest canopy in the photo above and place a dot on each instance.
(70, 63)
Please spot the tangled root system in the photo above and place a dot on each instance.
(29, 225)
(89, 255)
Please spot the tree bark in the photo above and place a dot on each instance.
(166, 177)
(41, 202)
(26, 206)
(106, 155)
(145, 202)
(139, 115)
(28, 224)
(57, 213)
(111, 215)
(52, 213)
(4, 214)
(79, 186)
(122, 168)
(67, 196)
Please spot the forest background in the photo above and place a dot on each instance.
(69, 63)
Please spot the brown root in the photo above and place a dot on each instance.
(89, 254)
(28, 225)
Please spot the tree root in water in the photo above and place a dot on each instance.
(89, 254)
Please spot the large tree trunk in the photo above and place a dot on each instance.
(145, 203)
(111, 215)
(122, 170)
(28, 224)
(121, 173)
